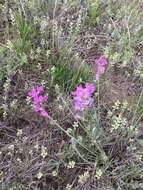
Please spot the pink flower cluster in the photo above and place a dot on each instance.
(38, 100)
(100, 62)
(82, 97)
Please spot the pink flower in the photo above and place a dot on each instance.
(38, 100)
(82, 97)
(42, 99)
(36, 91)
(39, 89)
(36, 107)
(100, 62)
(32, 93)
(44, 113)
(89, 88)
(78, 91)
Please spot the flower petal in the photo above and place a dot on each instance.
(44, 113)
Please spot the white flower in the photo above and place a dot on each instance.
(98, 173)
(54, 173)
(44, 151)
(39, 175)
(19, 132)
(71, 164)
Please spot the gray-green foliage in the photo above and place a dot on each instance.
(33, 25)
(93, 11)
(125, 29)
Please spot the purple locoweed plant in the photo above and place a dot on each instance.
(38, 100)
(100, 63)
(82, 98)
